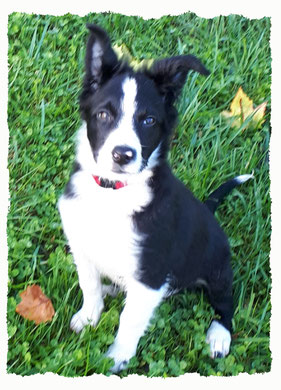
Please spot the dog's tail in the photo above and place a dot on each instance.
(216, 197)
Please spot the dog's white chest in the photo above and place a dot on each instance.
(98, 222)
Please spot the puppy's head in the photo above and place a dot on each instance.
(129, 115)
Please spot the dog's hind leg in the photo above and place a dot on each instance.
(140, 304)
(219, 333)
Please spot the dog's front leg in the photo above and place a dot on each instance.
(90, 284)
(141, 302)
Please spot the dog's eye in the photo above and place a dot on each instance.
(149, 121)
(103, 116)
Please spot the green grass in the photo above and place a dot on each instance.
(46, 55)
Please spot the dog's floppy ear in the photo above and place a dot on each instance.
(169, 74)
(101, 61)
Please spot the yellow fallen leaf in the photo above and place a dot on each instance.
(258, 116)
(123, 53)
(242, 109)
(35, 306)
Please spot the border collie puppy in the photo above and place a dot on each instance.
(126, 216)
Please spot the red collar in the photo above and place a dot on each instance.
(105, 183)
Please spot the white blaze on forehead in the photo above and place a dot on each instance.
(124, 134)
(129, 99)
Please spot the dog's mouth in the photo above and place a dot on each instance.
(117, 173)
(129, 170)
(105, 183)
(118, 169)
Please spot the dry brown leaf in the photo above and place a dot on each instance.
(35, 306)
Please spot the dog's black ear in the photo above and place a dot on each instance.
(169, 74)
(101, 61)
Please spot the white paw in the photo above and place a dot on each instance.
(85, 317)
(121, 357)
(219, 339)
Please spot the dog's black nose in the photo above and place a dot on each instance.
(123, 154)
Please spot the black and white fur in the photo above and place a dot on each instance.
(152, 237)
